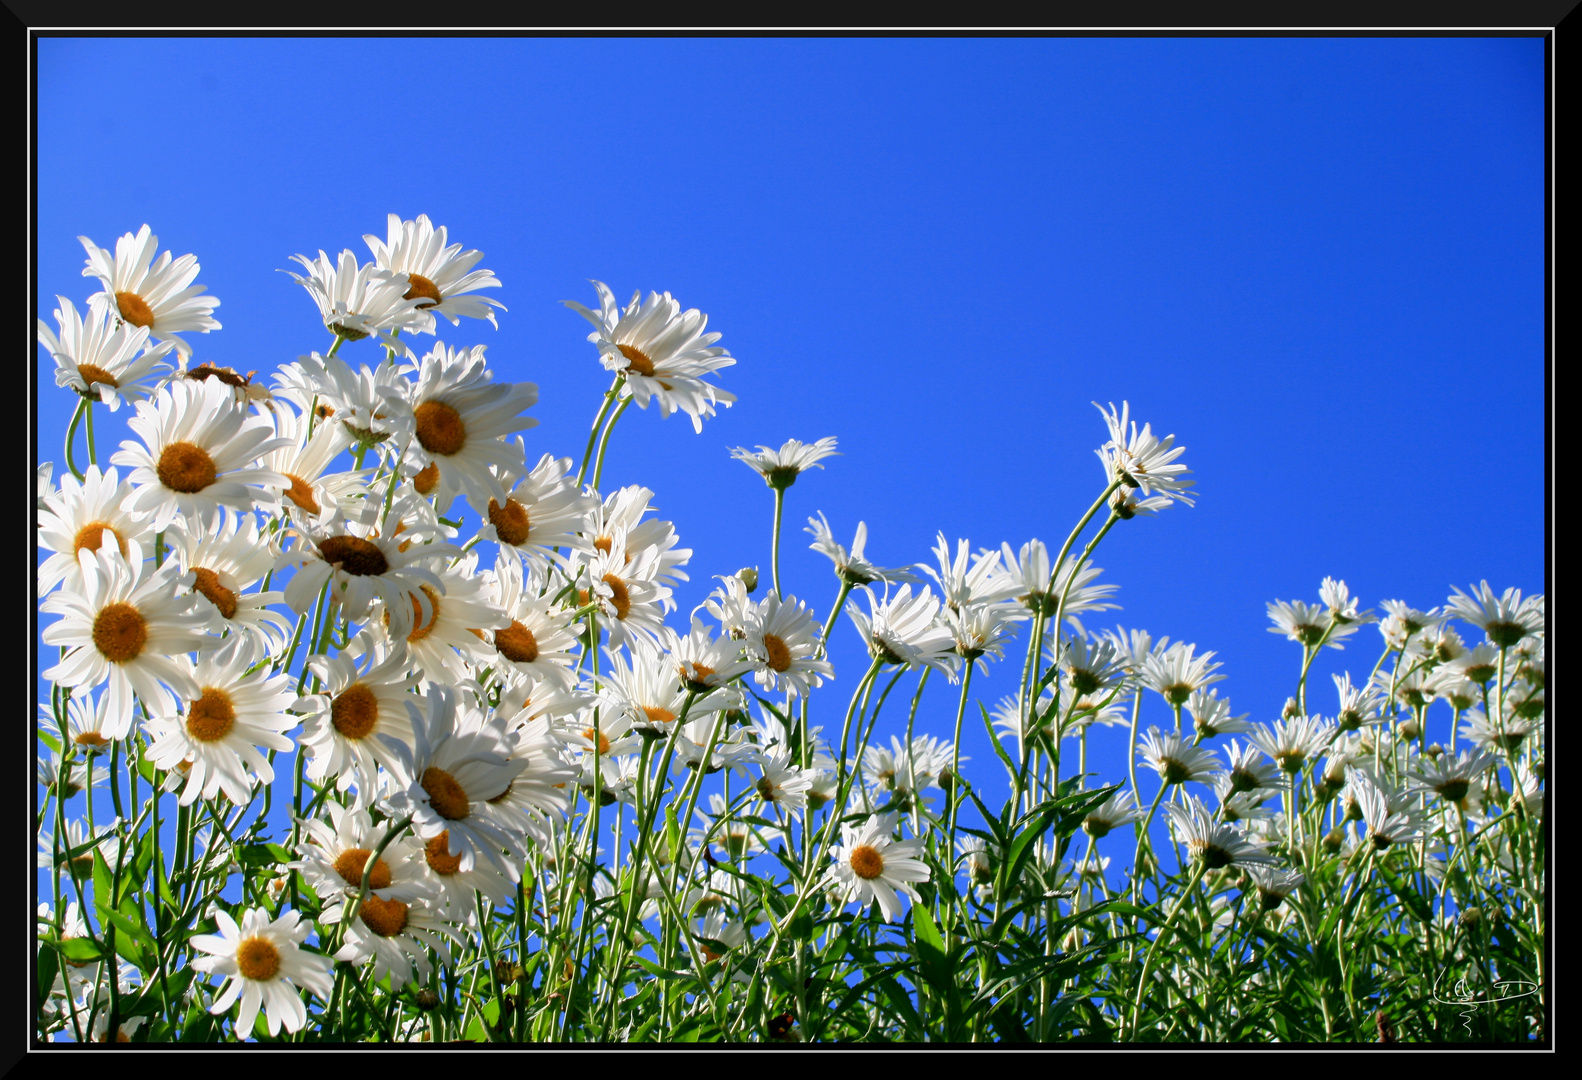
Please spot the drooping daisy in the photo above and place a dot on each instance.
(852, 567)
(363, 567)
(539, 791)
(356, 302)
(199, 453)
(1453, 781)
(156, 295)
(1391, 817)
(781, 467)
(1274, 885)
(224, 559)
(782, 783)
(624, 510)
(1216, 844)
(1142, 461)
(1248, 772)
(1111, 814)
(1211, 715)
(1040, 592)
(982, 581)
(230, 717)
(649, 692)
(1359, 707)
(361, 703)
(1342, 605)
(1403, 621)
(871, 866)
(542, 512)
(84, 516)
(706, 662)
(730, 837)
(1307, 624)
(334, 856)
(458, 762)
(102, 358)
(460, 420)
(124, 627)
(980, 631)
(663, 352)
(439, 277)
(266, 966)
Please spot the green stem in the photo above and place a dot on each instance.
(604, 442)
(593, 435)
(71, 435)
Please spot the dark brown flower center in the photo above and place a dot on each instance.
(258, 959)
(445, 795)
(866, 863)
(354, 712)
(516, 642)
(422, 286)
(387, 918)
(92, 373)
(437, 853)
(636, 360)
(779, 652)
(212, 716)
(301, 493)
(427, 479)
(619, 596)
(349, 865)
(91, 535)
(355, 555)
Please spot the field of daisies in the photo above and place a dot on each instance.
(365, 722)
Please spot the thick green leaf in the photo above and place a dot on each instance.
(79, 949)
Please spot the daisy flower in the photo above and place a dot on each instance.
(730, 837)
(871, 866)
(1507, 737)
(450, 889)
(76, 848)
(982, 582)
(1292, 742)
(445, 780)
(1453, 781)
(460, 419)
(904, 629)
(200, 452)
(230, 717)
(783, 644)
(1358, 707)
(1177, 761)
(539, 790)
(781, 467)
(222, 559)
(123, 628)
(1342, 605)
(1505, 620)
(1307, 624)
(312, 492)
(364, 697)
(782, 783)
(852, 567)
(1403, 621)
(450, 618)
(1029, 569)
(1175, 673)
(649, 692)
(1142, 461)
(1217, 844)
(624, 510)
(361, 567)
(156, 295)
(703, 661)
(1111, 814)
(101, 358)
(82, 517)
(334, 856)
(265, 966)
(439, 277)
(1274, 885)
(1211, 715)
(1091, 667)
(1391, 817)
(662, 352)
(368, 404)
(1249, 773)
(980, 631)
(629, 602)
(537, 643)
(356, 302)
(542, 512)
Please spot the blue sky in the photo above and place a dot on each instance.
(1319, 262)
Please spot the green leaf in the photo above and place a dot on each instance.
(256, 855)
(79, 949)
(101, 880)
(48, 968)
(994, 741)
(49, 740)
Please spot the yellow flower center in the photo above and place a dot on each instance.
(636, 360)
(866, 863)
(387, 918)
(92, 373)
(355, 555)
(445, 795)
(185, 468)
(354, 712)
(439, 428)
(510, 521)
(619, 596)
(91, 535)
(134, 309)
(258, 959)
(349, 865)
(517, 643)
(422, 286)
(427, 479)
(779, 653)
(119, 633)
(437, 853)
(420, 628)
(208, 584)
(90, 738)
(301, 493)
(212, 716)
(604, 740)
(656, 715)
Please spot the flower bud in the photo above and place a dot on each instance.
(1470, 918)
(749, 577)
(427, 1000)
(1409, 729)
(1291, 711)
(1333, 840)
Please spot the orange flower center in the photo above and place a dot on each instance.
(516, 642)
(445, 795)
(134, 309)
(301, 493)
(355, 555)
(91, 535)
(349, 865)
(779, 653)
(656, 715)
(866, 863)
(185, 468)
(437, 853)
(212, 716)
(427, 479)
(119, 633)
(90, 738)
(510, 521)
(421, 628)
(387, 918)
(208, 584)
(439, 428)
(258, 959)
(636, 360)
(619, 596)
(92, 373)
(354, 712)
(604, 740)
(422, 286)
